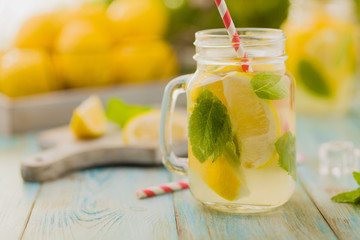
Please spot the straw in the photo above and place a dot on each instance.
(230, 27)
(162, 189)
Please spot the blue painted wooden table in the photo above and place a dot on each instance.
(101, 204)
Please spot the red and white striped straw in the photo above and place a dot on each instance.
(162, 189)
(231, 29)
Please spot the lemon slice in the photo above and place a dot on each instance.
(220, 176)
(262, 67)
(254, 120)
(209, 81)
(88, 120)
(332, 54)
(143, 129)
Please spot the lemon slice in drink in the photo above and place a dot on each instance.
(254, 120)
(333, 54)
(88, 120)
(220, 176)
(209, 81)
(143, 129)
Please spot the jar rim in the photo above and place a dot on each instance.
(262, 45)
(248, 36)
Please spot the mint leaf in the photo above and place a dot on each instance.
(231, 152)
(352, 196)
(348, 197)
(209, 127)
(357, 177)
(269, 85)
(285, 147)
(120, 113)
(312, 79)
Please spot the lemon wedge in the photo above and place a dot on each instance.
(220, 176)
(254, 120)
(143, 129)
(88, 120)
(209, 81)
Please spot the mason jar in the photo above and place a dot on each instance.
(323, 50)
(241, 122)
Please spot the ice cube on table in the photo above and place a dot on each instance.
(338, 158)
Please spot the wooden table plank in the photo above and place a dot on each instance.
(16, 197)
(101, 204)
(312, 131)
(298, 219)
(344, 219)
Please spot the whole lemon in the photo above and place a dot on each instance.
(140, 61)
(84, 69)
(82, 35)
(83, 54)
(132, 18)
(26, 72)
(92, 11)
(38, 31)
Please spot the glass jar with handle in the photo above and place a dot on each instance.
(241, 124)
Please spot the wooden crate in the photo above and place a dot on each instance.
(53, 109)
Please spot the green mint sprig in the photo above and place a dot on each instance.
(269, 85)
(351, 196)
(210, 131)
(120, 112)
(286, 148)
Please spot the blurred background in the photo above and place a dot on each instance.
(57, 45)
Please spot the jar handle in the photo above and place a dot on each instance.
(173, 89)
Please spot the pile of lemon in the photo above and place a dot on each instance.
(92, 45)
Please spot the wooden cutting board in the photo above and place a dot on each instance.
(64, 153)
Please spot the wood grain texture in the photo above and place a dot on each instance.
(67, 154)
(344, 219)
(101, 204)
(312, 131)
(298, 219)
(16, 197)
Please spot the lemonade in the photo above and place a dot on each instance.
(322, 45)
(241, 125)
(249, 171)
